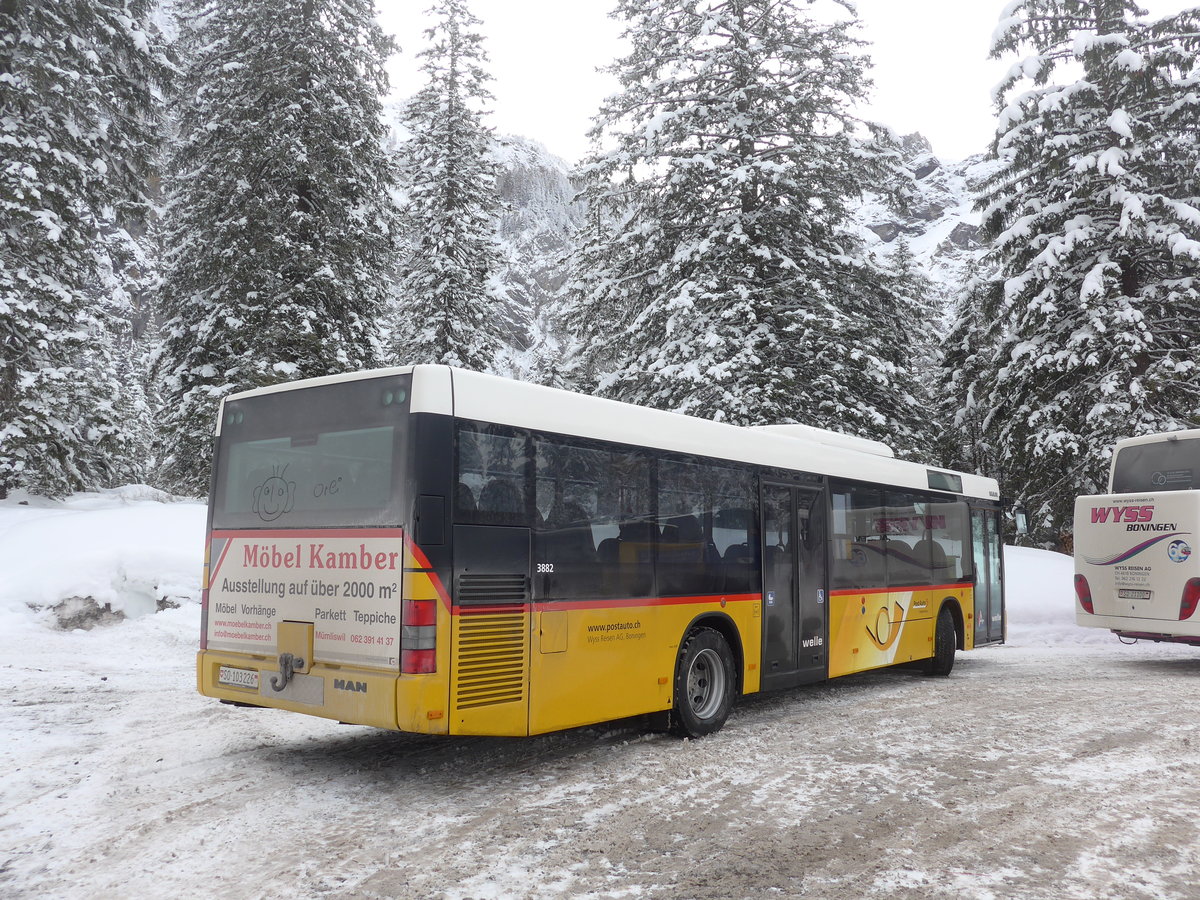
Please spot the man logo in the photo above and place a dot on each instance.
(342, 684)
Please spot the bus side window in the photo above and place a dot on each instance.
(598, 535)
(627, 570)
(735, 531)
(492, 470)
(860, 548)
(948, 531)
(464, 499)
(910, 549)
(705, 523)
(568, 491)
(685, 564)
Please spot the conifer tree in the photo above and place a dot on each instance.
(451, 306)
(278, 219)
(908, 319)
(963, 368)
(716, 273)
(1096, 221)
(78, 127)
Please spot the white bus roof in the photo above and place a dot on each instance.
(1160, 437)
(503, 401)
(831, 438)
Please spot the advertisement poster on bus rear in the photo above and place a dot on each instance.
(346, 583)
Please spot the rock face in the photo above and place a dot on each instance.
(537, 189)
(540, 215)
(537, 228)
(886, 231)
(965, 236)
(940, 225)
(925, 166)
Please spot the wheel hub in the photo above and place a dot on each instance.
(705, 683)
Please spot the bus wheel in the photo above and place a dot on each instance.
(704, 684)
(945, 639)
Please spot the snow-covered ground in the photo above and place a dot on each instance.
(1062, 764)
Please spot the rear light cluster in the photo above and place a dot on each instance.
(1190, 598)
(418, 637)
(1084, 592)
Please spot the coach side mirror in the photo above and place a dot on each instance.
(1020, 519)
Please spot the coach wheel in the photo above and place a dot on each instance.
(704, 684)
(945, 641)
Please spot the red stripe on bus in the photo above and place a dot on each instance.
(847, 592)
(423, 561)
(645, 601)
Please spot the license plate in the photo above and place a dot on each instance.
(242, 678)
(1127, 594)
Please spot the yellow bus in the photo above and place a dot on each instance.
(434, 550)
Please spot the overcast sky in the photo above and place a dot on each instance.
(931, 72)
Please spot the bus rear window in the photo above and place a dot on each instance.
(320, 457)
(1160, 466)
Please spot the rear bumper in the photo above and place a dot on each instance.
(1186, 631)
(415, 703)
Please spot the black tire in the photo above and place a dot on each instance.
(705, 684)
(945, 642)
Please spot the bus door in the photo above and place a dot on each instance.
(794, 584)
(490, 635)
(989, 596)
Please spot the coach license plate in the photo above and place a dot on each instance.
(241, 678)
(1127, 594)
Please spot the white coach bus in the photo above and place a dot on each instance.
(1135, 570)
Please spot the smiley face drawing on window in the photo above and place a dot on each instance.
(275, 496)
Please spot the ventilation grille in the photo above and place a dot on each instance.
(477, 589)
(490, 651)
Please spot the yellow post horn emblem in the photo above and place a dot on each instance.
(887, 628)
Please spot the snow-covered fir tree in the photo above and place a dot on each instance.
(279, 222)
(1096, 221)
(908, 319)
(717, 274)
(962, 373)
(451, 306)
(79, 122)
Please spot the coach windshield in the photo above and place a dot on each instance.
(1169, 465)
(323, 456)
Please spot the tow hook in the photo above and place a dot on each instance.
(287, 669)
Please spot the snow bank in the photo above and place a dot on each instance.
(119, 553)
(1040, 599)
